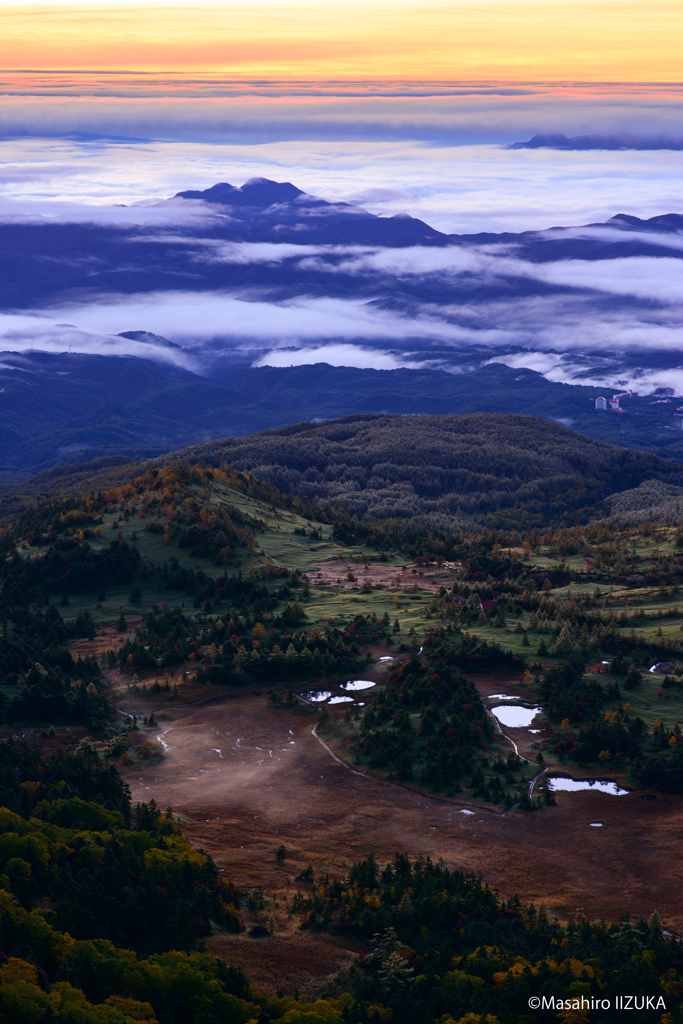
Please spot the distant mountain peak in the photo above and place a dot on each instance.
(258, 192)
(148, 338)
(556, 140)
(551, 140)
(663, 222)
(267, 187)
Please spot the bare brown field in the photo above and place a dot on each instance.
(293, 961)
(107, 638)
(245, 778)
(248, 778)
(334, 572)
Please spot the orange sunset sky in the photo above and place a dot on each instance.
(577, 41)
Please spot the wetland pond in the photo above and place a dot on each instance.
(556, 784)
(514, 716)
(357, 684)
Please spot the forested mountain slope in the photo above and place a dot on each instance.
(58, 408)
(379, 467)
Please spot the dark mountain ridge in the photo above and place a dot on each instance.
(556, 140)
(40, 263)
(61, 409)
(256, 193)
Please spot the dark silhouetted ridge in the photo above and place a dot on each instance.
(258, 192)
(555, 140)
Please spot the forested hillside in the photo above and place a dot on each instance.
(190, 590)
(445, 946)
(138, 409)
(447, 467)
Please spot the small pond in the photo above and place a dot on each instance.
(340, 700)
(515, 717)
(503, 696)
(573, 785)
(357, 684)
(317, 695)
(663, 667)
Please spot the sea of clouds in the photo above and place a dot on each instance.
(441, 158)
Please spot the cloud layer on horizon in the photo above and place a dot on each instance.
(453, 188)
(210, 109)
(594, 307)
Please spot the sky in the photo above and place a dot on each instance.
(106, 109)
(509, 41)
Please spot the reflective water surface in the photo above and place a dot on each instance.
(515, 717)
(573, 785)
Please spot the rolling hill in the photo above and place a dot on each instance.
(60, 409)
(445, 467)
